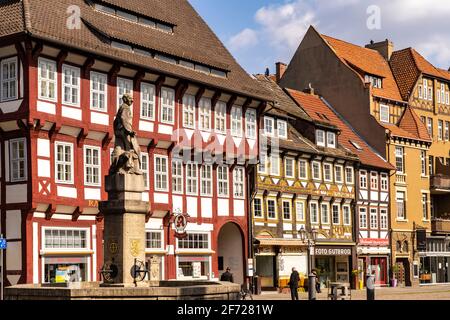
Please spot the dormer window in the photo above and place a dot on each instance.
(374, 81)
(331, 140)
(320, 138)
(384, 113)
(282, 129)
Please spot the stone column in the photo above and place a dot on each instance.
(124, 219)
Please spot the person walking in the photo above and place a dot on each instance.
(227, 275)
(293, 284)
(317, 281)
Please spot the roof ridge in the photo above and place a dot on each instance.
(26, 16)
(352, 44)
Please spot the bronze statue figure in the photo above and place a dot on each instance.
(126, 157)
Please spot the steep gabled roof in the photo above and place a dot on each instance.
(410, 122)
(348, 137)
(192, 40)
(369, 61)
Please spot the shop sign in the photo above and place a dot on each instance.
(180, 221)
(374, 242)
(332, 251)
(196, 269)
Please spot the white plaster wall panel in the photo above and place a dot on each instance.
(35, 252)
(364, 234)
(100, 118)
(272, 225)
(373, 234)
(145, 196)
(46, 107)
(16, 193)
(38, 215)
(222, 207)
(13, 224)
(71, 113)
(288, 236)
(384, 196)
(14, 256)
(44, 168)
(251, 143)
(364, 194)
(154, 224)
(146, 126)
(92, 194)
(374, 195)
(260, 224)
(221, 138)
(87, 218)
(165, 129)
(191, 204)
(207, 207)
(205, 136)
(62, 216)
(66, 192)
(10, 106)
(239, 208)
(205, 227)
(287, 226)
(383, 234)
(161, 198)
(13, 279)
(43, 148)
(177, 203)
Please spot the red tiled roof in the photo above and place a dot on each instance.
(410, 122)
(369, 61)
(313, 104)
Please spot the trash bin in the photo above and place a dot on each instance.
(256, 285)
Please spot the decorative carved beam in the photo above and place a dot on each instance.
(22, 126)
(20, 51)
(76, 214)
(50, 212)
(113, 72)
(82, 136)
(231, 102)
(62, 55)
(106, 141)
(37, 51)
(181, 89)
(152, 144)
(215, 98)
(138, 79)
(159, 82)
(247, 103)
(199, 95)
(87, 66)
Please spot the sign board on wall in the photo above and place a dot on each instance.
(332, 251)
(196, 269)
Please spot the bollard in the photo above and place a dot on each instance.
(370, 287)
(312, 286)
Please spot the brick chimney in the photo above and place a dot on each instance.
(281, 68)
(386, 48)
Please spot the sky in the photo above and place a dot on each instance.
(260, 33)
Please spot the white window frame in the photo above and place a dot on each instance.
(339, 168)
(167, 110)
(347, 181)
(300, 210)
(400, 156)
(384, 113)
(123, 86)
(327, 215)
(191, 179)
(423, 163)
(374, 181)
(204, 114)
(220, 117)
(346, 208)
(250, 123)
(145, 169)
(159, 173)
(263, 161)
(48, 80)
(430, 126)
(320, 142)
(92, 166)
(319, 177)
(206, 180)
(189, 111)
(261, 203)
(331, 140)
(425, 89)
(64, 163)
(446, 130)
(330, 167)
(430, 94)
(440, 129)
(290, 209)
(363, 180)
(384, 224)
(292, 160)
(282, 123)
(14, 158)
(236, 121)
(275, 209)
(362, 222)
(316, 204)
(161, 236)
(403, 200)
(272, 165)
(148, 103)
(305, 177)
(45, 249)
(384, 182)
(177, 176)
(8, 62)
(373, 218)
(74, 73)
(223, 181)
(269, 122)
(338, 206)
(424, 206)
(420, 89)
(239, 182)
(99, 92)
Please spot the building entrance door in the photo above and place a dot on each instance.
(379, 265)
(231, 251)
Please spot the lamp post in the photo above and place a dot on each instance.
(310, 238)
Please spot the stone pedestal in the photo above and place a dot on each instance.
(124, 220)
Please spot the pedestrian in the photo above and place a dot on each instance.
(293, 284)
(227, 275)
(370, 286)
(317, 282)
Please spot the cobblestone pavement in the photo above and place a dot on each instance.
(439, 292)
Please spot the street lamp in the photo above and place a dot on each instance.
(310, 239)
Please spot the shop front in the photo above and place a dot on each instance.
(332, 264)
(373, 257)
(435, 261)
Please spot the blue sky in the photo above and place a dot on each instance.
(261, 32)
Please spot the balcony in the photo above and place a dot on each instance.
(400, 178)
(440, 225)
(440, 184)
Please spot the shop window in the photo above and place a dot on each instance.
(65, 269)
(193, 267)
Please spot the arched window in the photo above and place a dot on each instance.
(405, 246)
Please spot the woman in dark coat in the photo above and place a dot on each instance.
(293, 284)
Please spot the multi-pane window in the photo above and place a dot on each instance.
(191, 178)
(373, 218)
(282, 129)
(447, 131)
(98, 91)
(384, 182)
(206, 180)
(316, 170)
(71, 85)
(363, 179)
(349, 177)
(268, 126)
(320, 138)
(425, 89)
(423, 161)
(271, 209)
(274, 165)
(399, 159)
(373, 181)
(144, 169)
(250, 122)
(177, 176)
(420, 90)
(331, 140)
(222, 181)
(286, 210)
(383, 219)
(221, 117)
(65, 239)
(346, 214)
(238, 182)
(167, 105)
(123, 86)
(431, 165)
(338, 170)
(257, 208)
(189, 111)
(262, 165)
(204, 117)
(18, 159)
(336, 214)
(9, 83)
(92, 165)
(440, 130)
(363, 218)
(153, 240)
(314, 212)
(147, 101)
(47, 79)
(64, 162)
(424, 206)
(161, 173)
(384, 113)
(325, 214)
(430, 126)
(289, 167)
(194, 241)
(400, 199)
(327, 172)
(430, 94)
(236, 121)
(300, 211)
(303, 169)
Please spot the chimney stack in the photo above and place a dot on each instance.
(309, 90)
(385, 48)
(281, 68)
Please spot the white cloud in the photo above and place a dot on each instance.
(244, 39)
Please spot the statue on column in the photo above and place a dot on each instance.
(126, 157)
